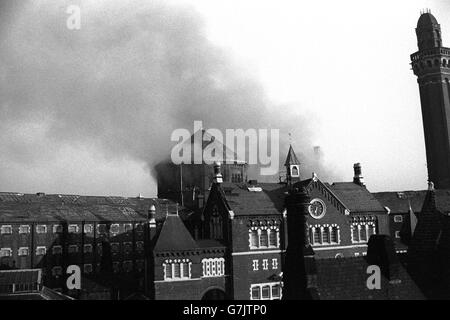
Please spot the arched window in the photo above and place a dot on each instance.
(273, 241)
(334, 235)
(326, 235)
(216, 227)
(294, 171)
(316, 237)
(263, 239)
(254, 239)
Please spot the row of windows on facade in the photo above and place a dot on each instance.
(127, 266)
(361, 232)
(73, 228)
(324, 234)
(264, 237)
(266, 291)
(265, 264)
(87, 248)
(179, 269)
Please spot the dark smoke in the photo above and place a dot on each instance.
(120, 85)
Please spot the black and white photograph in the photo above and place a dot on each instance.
(245, 151)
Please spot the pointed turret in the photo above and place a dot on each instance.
(292, 165)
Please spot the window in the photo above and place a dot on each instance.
(273, 238)
(254, 239)
(274, 263)
(276, 292)
(265, 291)
(362, 228)
(88, 228)
(73, 248)
(72, 228)
(324, 234)
(114, 228)
(398, 218)
(56, 271)
(99, 249)
(127, 247)
(24, 229)
(116, 267)
(87, 248)
(397, 234)
(139, 227)
(213, 267)
(5, 252)
(265, 264)
(101, 228)
(264, 237)
(128, 266)
(87, 268)
(23, 251)
(6, 230)
(255, 265)
(57, 250)
(140, 246)
(57, 228)
(255, 293)
(334, 235)
(215, 224)
(140, 264)
(178, 269)
(115, 248)
(41, 228)
(128, 227)
(40, 251)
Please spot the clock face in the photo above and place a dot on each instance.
(317, 208)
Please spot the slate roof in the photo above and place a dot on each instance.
(356, 198)
(291, 158)
(17, 207)
(174, 236)
(244, 202)
(398, 202)
(346, 278)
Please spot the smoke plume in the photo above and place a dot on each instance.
(82, 109)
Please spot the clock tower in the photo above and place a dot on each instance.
(431, 66)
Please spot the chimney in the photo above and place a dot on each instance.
(151, 216)
(217, 174)
(358, 178)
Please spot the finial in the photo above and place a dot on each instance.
(430, 186)
(314, 177)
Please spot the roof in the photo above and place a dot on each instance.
(243, 201)
(291, 158)
(174, 236)
(399, 202)
(426, 19)
(357, 198)
(346, 278)
(18, 276)
(17, 207)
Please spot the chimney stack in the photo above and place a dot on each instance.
(217, 174)
(358, 178)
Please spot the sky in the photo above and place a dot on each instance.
(91, 111)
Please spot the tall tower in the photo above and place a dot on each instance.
(431, 66)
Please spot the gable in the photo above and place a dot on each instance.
(315, 187)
